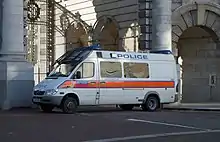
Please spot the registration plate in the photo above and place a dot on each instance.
(36, 100)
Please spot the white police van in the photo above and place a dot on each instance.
(91, 76)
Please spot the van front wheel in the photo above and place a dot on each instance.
(69, 105)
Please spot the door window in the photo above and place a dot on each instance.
(136, 70)
(87, 70)
(110, 69)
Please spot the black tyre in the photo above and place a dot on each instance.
(151, 104)
(46, 108)
(69, 105)
(126, 107)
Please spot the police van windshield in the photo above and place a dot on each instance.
(62, 70)
(68, 61)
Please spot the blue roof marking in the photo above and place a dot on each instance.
(97, 46)
(162, 51)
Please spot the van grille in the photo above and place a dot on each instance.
(39, 92)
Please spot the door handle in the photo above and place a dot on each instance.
(92, 82)
(102, 82)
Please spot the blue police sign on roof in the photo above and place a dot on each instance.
(97, 46)
(162, 52)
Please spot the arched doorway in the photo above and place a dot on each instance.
(76, 36)
(197, 56)
(196, 32)
(106, 33)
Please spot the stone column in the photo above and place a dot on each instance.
(161, 25)
(16, 74)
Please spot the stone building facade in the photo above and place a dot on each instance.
(127, 25)
(117, 25)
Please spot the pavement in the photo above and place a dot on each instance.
(193, 106)
(109, 124)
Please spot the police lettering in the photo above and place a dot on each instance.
(130, 56)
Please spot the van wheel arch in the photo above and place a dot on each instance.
(70, 95)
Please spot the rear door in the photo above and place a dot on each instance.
(163, 75)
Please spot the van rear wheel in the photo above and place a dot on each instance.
(126, 107)
(151, 104)
(69, 105)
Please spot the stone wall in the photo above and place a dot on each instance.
(195, 36)
(124, 12)
(128, 15)
(134, 20)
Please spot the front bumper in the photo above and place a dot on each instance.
(52, 100)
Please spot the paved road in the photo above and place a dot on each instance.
(109, 125)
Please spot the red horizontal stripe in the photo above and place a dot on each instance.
(128, 84)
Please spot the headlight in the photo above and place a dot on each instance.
(51, 92)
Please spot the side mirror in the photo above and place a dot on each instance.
(78, 75)
(47, 73)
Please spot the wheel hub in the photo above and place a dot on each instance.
(70, 105)
(152, 104)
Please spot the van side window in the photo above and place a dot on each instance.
(136, 70)
(111, 69)
(87, 70)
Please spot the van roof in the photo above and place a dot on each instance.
(165, 55)
(80, 53)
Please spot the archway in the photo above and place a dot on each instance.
(76, 36)
(195, 38)
(197, 48)
(106, 33)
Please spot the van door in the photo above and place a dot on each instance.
(110, 82)
(87, 87)
(136, 75)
